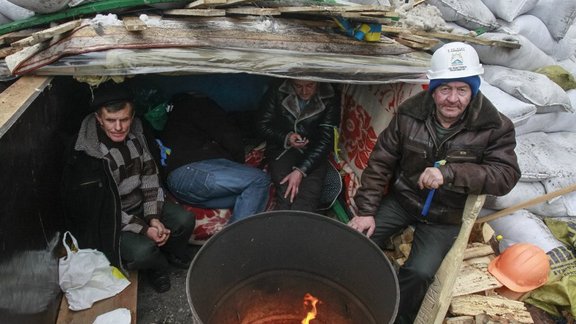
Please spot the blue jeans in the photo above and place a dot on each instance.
(219, 184)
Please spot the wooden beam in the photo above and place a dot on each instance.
(18, 97)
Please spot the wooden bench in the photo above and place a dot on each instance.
(126, 299)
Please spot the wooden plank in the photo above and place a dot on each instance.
(502, 308)
(134, 24)
(253, 11)
(474, 277)
(205, 3)
(196, 12)
(46, 34)
(477, 250)
(368, 9)
(7, 51)
(16, 36)
(18, 97)
(437, 300)
(460, 320)
(127, 298)
(455, 37)
(75, 12)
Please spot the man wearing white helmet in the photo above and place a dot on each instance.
(454, 123)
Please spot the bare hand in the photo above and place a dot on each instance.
(293, 179)
(297, 141)
(431, 178)
(157, 232)
(363, 224)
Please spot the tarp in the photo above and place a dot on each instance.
(278, 47)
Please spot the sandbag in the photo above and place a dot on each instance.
(517, 110)
(508, 10)
(560, 121)
(472, 14)
(558, 15)
(547, 157)
(536, 31)
(4, 19)
(42, 6)
(14, 12)
(527, 57)
(529, 87)
(524, 227)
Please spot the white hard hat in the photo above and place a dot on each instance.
(454, 60)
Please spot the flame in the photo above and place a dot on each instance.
(310, 305)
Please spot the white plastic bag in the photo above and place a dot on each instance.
(86, 276)
(117, 316)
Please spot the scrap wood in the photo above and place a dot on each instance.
(17, 35)
(476, 250)
(449, 36)
(474, 277)
(133, 23)
(205, 3)
(46, 34)
(415, 41)
(254, 11)
(460, 320)
(197, 12)
(497, 307)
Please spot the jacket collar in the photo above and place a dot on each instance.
(481, 113)
(316, 104)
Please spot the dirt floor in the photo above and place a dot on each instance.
(169, 307)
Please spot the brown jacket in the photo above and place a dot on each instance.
(480, 159)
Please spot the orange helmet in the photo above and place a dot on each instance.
(521, 267)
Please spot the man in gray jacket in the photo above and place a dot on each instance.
(445, 144)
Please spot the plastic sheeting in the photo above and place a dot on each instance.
(321, 66)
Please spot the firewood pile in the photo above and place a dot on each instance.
(478, 297)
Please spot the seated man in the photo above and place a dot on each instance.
(112, 195)
(205, 167)
(297, 120)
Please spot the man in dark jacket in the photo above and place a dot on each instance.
(112, 195)
(206, 163)
(298, 120)
(452, 122)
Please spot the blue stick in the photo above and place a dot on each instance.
(428, 202)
